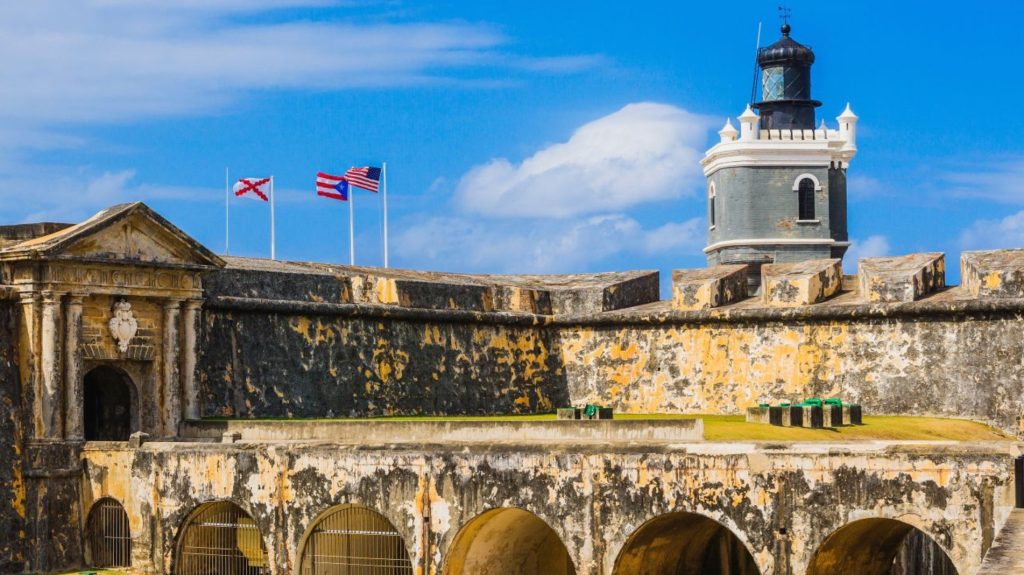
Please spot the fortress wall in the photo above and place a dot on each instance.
(939, 362)
(14, 543)
(782, 502)
(324, 360)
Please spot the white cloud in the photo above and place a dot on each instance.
(106, 60)
(540, 246)
(641, 153)
(870, 247)
(71, 196)
(1001, 181)
(1007, 232)
(860, 187)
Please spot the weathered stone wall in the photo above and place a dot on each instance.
(337, 361)
(950, 362)
(954, 357)
(781, 503)
(13, 514)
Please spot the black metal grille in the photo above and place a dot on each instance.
(806, 199)
(221, 539)
(109, 535)
(355, 540)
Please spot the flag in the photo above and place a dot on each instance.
(334, 187)
(366, 177)
(254, 188)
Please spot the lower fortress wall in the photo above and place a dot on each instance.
(294, 359)
(782, 502)
(14, 542)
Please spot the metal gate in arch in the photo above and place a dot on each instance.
(354, 540)
(221, 539)
(109, 535)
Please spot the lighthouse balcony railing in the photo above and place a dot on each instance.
(798, 135)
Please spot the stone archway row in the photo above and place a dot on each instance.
(221, 538)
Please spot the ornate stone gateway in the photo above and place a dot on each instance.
(121, 290)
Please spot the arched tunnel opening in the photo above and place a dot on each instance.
(684, 544)
(880, 547)
(508, 541)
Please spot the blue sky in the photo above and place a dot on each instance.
(520, 137)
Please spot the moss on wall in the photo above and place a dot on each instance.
(13, 508)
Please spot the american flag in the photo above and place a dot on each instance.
(334, 187)
(366, 177)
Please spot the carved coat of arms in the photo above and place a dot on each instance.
(123, 326)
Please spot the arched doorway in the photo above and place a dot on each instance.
(109, 396)
(508, 541)
(220, 538)
(354, 540)
(108, 535)
(684, 544)
(879, 546)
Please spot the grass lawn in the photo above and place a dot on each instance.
(735, 428)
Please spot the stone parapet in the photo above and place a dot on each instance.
(707, 288)
(801, 283)
(901, 278)
(994, 273)
(307, 282)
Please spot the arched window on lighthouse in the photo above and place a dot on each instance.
(805, 195)
(711, 205)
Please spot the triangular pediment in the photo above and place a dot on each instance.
(129, 233)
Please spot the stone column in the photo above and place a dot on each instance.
(51, 368)
(74, 419)
(171, 375)
(29, 336)
(190, 389)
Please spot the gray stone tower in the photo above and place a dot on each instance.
(776, 189)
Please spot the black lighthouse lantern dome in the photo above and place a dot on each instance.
(786, 84)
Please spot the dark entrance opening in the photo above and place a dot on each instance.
(108, 405)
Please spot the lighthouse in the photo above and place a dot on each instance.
(776, 187)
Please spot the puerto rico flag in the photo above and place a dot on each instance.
(254, 188)
(334, 187)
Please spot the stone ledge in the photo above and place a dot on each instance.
(901, 278)
(801, 283)
(994, 273)
(452, 432)
(708, 287)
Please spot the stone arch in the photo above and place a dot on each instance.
(880, 546)
(508, 541)
(683, 543)
(108, 535)
(806, 176)
(110, 403)
(219, 537)
(353, 539)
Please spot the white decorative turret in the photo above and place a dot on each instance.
(728, 133)
(848, 129)
(748, 124)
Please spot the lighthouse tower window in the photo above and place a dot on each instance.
(773, 83)
(805, 193)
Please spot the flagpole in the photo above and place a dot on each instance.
(273, 255)
(384, 176)
(227, 212)
(351, 225)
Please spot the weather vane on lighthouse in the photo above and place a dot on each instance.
(784, 14)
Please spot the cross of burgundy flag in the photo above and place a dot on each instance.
(334, 187)
(254, 188)
(366, 177)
